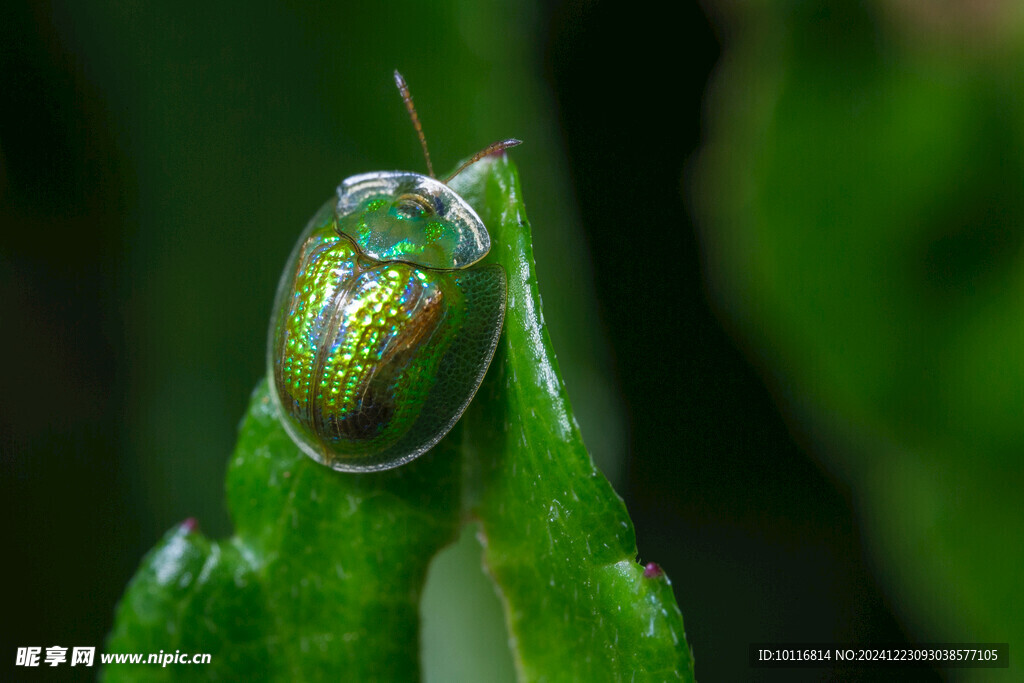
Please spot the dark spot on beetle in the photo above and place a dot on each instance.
(412, 205)
(652, 570)
(366, 423)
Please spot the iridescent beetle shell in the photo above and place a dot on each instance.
(384, 322)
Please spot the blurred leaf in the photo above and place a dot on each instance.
(863, 224)
(325, 573)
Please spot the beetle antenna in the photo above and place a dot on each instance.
(493, 148)
(407, 98)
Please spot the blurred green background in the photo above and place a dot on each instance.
(842, 464)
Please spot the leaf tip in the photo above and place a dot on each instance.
(652, 570)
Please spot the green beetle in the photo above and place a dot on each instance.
(384, 322)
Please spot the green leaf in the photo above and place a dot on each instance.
(325, 573)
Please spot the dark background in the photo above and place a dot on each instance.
(759, 542)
